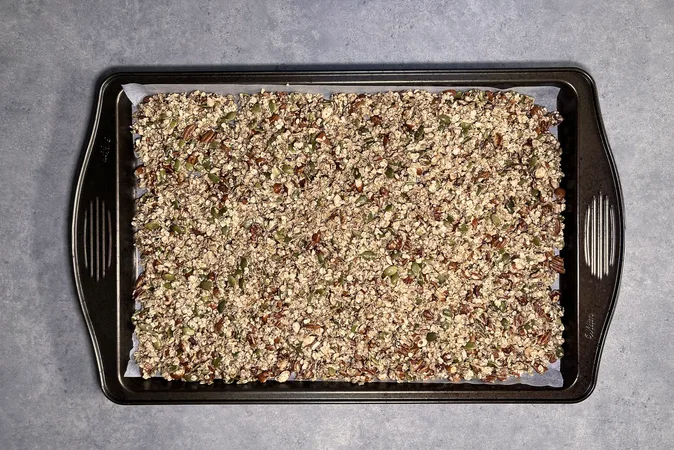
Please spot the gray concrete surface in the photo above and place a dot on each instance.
(50, 55)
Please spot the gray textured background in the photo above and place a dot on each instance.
(50, 55)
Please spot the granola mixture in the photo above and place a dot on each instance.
(400, 236)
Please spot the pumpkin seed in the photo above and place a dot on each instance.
(188, 331)
(221, 306)
(395, 278)
(537, 241)
(152, 225)
(272, 105)
(243, 263)
(470, 345)
(217, 362)
(463, 228)
(416, 269)
(360, 201)
(444, 119)
(389, 172)
(214, 178)
(432, 337)
(206, 285)
(177, 229)
(368, 254)
(447, 313)
(390, 271)
(256, 108)
(496, 220)
(169, 277)
(230, 115)
(231, 279)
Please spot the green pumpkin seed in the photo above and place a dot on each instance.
(177, 229)
(217, 362)
(189, 167)
(181, 143)
(230, 115)
(360, 201)
(152, 225)
(496, 220)
(470, 345)
(169, 277)
(537, 241)
(156, 345)
(215, 212)
(463, 228)
(395, 278)
(221, 306)
(242, 284)
(559, 352)
(390, 271)
(243, 263)
(206, 285)
(214, 178)
(287, 168)
(389, 172)
(444, 119)
(321, 258)
(432, 337)
(231, 279)
(369, 255)
(510, 206)
(272, 105)
(447, 313)
(416, 269)
(188, 331)
(533, 161)
(256, 108)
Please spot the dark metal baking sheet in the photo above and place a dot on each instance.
(103, 259)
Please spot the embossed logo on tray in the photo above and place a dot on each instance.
(588, 332)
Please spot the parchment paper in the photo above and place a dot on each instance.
(545, 96)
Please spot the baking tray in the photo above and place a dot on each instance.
(103, 251)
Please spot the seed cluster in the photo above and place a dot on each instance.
(402, 236)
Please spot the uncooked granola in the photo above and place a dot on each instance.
(403, 236)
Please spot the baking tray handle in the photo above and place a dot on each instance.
(93, 235)
(600, 224)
